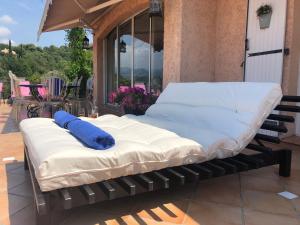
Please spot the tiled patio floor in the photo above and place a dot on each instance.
(248, 198)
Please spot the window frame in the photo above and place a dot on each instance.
(105, 72)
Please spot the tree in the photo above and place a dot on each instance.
(81, 59)
(32, 62)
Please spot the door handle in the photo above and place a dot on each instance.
(242, 64)
(247, 44)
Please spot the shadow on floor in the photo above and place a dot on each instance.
(10, 125)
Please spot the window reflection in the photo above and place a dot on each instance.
(125, 50)
(112, 61)
(141, 51)
(157, 43)
(135, 60)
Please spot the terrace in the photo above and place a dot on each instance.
(140, 48)
(246, 198)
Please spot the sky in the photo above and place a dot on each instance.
(19, 22)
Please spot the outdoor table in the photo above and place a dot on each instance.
(32, 108)
(34, 90)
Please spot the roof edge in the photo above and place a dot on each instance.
(44, 17)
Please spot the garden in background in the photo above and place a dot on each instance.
(33, 62)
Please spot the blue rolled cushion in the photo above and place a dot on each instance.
(92, 136)
(63, 118)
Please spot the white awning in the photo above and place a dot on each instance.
(66, 14)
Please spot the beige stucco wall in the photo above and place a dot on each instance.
(230, 40)
(209, 38)
(198, 40)
(189, 40)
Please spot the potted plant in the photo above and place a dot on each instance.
(264, 14)
(133, 100)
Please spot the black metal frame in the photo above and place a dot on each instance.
(63, 199)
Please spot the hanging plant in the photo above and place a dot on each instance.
(264, 10)
(264, 14)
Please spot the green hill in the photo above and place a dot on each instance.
(32, 62)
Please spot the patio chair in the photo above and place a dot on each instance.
(55, 87)
(180, 140)
(14, 85)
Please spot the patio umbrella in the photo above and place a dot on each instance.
(66, 14)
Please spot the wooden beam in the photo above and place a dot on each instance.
(102, 6)
(83, 9)
(62, 25)
(95, 21)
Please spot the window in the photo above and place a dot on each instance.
(134, 55)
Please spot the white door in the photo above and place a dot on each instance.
(265, 47)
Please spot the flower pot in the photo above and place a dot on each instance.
(136, 112)
(265, 20)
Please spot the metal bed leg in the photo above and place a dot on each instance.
(42, 219)
(285, 162)
(25, 160)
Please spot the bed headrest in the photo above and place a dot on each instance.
(240, 96)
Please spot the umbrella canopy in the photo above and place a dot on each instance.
(66, 14)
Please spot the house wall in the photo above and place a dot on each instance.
(189, 40)
(230, 39)
(203, 40)
(198, 40)
(209, 38)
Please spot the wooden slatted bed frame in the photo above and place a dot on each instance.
(48, 203)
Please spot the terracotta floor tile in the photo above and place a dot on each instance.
(221, 190)
(169, 212)
(208, 213)
(10, 204)
(270, 172)
(293, 187)
(262, 184)
(296, 204)
(10, 167)
(267, 202)
(24, 190)
(25, 216)
(14, 179)
(94, 216)
(295, 175)
(259, 218)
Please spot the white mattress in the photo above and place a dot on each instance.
(191, 122)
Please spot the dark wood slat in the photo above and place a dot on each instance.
(288, 108)
(174, 176)
(230, 168)
(279, 128)
(66, 197)
(160, 178)
(190, 174)
(290, 98)
(127, 184)
(239, 164)
(259, 148)
(88, 193)
(217, 170)
(144, 181)
(203, 171)
(252, 161)
(282, 118)
(267, 138)
(108, 189)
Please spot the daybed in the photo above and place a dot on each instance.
(194, 131)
